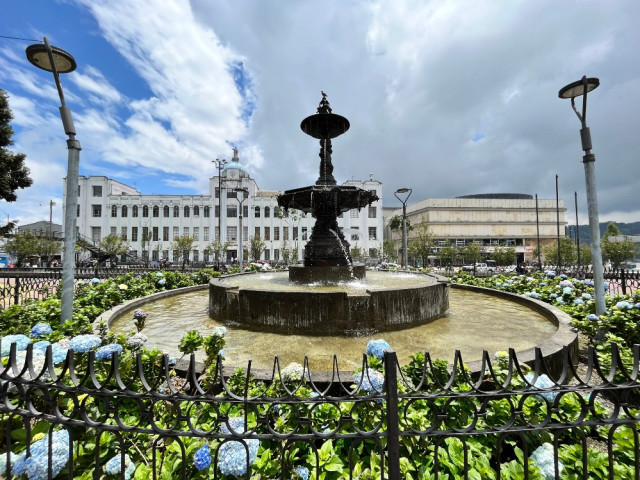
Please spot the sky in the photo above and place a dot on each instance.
(447, 98)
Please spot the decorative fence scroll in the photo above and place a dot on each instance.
(426, 420)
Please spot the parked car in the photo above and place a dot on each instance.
(478, 267)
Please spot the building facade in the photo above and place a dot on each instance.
(491, 220)
(150, 223)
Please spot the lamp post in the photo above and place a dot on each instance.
(402, 191)
(56, 61)
(219, 163)
(244, 193)
(573, 90)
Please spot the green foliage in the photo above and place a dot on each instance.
(113, 245)
(568, 252)
(13, 172)
(190, 343)
(618, 252)
(422, 244)
(504, 256)
(183, 244)
(256, 247)
(395, 224)
(22, 246)
(389, 250)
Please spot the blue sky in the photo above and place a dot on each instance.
(448, 98)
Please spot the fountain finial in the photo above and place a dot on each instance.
(324, 106)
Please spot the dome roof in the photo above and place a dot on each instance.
(235, 165)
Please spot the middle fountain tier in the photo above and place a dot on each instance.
(326, 255)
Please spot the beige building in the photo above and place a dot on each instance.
(491, 220)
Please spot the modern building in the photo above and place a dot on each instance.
(491, 220)
(150, 223)
(42, 229)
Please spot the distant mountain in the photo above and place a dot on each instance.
(585, 234)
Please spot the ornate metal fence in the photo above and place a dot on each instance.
(79, 413)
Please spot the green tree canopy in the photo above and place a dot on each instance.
(256, 247)
(113, 245)
(616, 250)
(13, 172)
(396, 223)
(389, 250)
(472, 252)
(448, 254)
(22, 246)
(356, 253)
(504, 255)
(568, 252)
(218, 248)
(183, 244)
(422, 245)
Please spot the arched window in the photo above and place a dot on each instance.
(196, 211)
(257, 214)
(267, 212)
(156, 211)
(124, 210)
(186, 210)
(165, 211)
(145, 211)
(134, 211)
(176, 211)
(207, 212)
(114, 210)
(276, 212)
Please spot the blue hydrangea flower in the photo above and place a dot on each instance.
(139, 313)
(553, 295)
(20, 340)
(542, 382)
(220, 331)
(293, 371)
(222, 353)
(159, 274)
(302, 472)
(550, 274)
(593, 317)
(232, 455)
(588, 283)
(637, 305)
(162, 281)
(586, 296)
(543, 284)
(578, 301)
(563, 276)
(542, 457)
(95, 280)
(59, 352)
(567, 291)
(498, 284)
(376, 348)
(41, 329)
(606, 287)
(41, 346)
(84, 343)
(202, 457)
(372, 381)
(113, 467)
(624, 305)
(36, 467)
(559, 301)
(565, 284)
(137, 340)
(105, 353)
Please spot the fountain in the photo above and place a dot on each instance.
(333, 311)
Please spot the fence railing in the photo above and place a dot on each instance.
(425, 420)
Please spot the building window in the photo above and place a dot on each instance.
(267, 212)
(295, 233)
(155, 234)
(256, 231)
(245, 211)
(276, 254)
(124, 210)
(113, 231)
(176, 211)
(304, 233)
(217, 211)
(355, 233)
(95, 234)
(165, 234)
(372, 212)
(354, 213)
(267, 254)
(232, 234)
(207, 212)
(114, 210)
(245, 232)
(176, 232)
(134, 211)
(267, 233)
(78, 190)
(257, 210)
(285, 233)
(196, 233)
(185, 232)
(96, 210)
(186, 211)
(373, 233)
(134, 234)
(205, 233)
(145, 234)
(154, 255)
(196, 211)
(196, 254)
(217, 192)
(97, 190)
(217, 233)
(232, 210)
(176, 255)
(373, 253)
(165, 211)
(276, 233)
(145, 210)
(231, 193)
(276, 212)
(165, 254)
(78, 211)
(123, 233)
(156, 211)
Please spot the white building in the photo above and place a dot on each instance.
(106, 207)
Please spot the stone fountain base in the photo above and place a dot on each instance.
(330, 274)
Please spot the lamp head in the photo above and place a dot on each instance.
(63, 61)
(579, 88)
(403, 190)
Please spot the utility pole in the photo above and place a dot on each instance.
(219, 163)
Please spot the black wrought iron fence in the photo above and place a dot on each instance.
(426, 420)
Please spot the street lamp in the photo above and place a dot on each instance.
(245, 193)
(56, 61)
(402, 191)
(573, 90)
(219, 163)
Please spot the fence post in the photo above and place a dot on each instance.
(623, 281)
(393, 430)
(16, 292)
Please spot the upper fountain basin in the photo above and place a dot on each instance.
(341, 198)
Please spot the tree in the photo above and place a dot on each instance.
(113, 245)
(505, 255)
(472, 252)
(396, 224)
(388, 250)
(13, 172)
(422, 245)
(356, 253)
(218, 248)
(617, 252)
(448, 254)
(22, 246)
(285, 252)
(256, 247)
(48, 247)
(183, 244)
(568, 252)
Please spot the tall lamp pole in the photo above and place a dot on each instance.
(244, 193)
(403, 191)
(573, 90)
(219, 163)
(56, 61)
